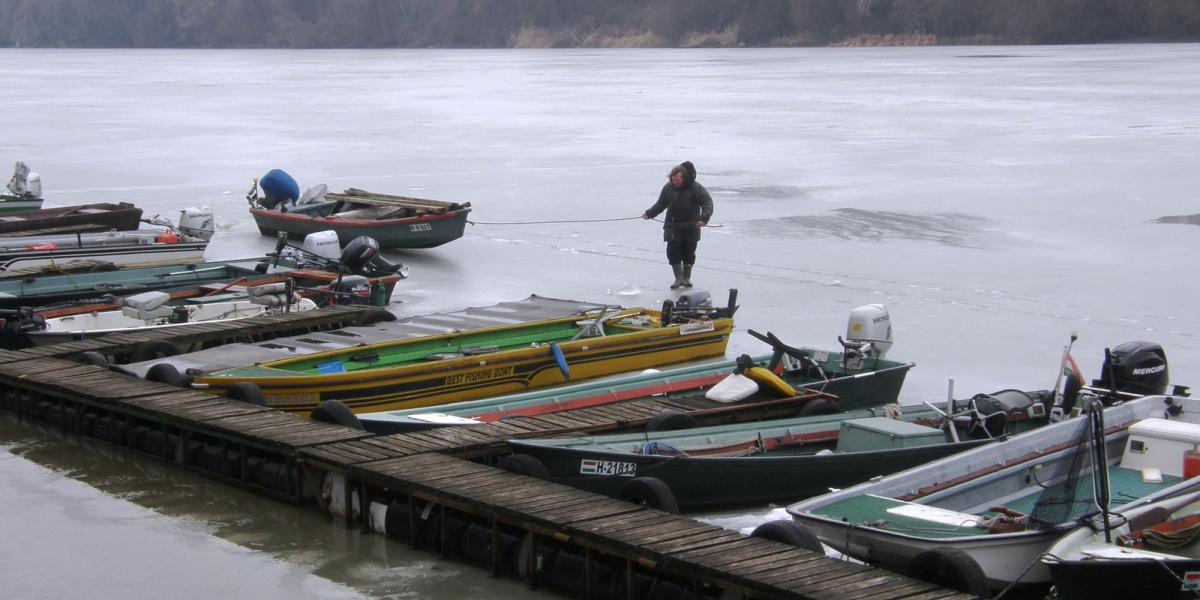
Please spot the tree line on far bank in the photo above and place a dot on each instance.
(587, 23)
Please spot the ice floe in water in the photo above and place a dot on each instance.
(951, 229)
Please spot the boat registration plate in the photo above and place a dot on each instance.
(589, 466)
(700, 327)
(1191, 581)
(420, 227)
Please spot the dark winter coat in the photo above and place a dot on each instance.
(684, 205)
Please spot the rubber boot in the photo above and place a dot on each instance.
(678, 269)
(687, 275)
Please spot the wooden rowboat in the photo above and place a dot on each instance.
(394, 221)
(122, 216)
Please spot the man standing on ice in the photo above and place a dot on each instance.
(689, 207)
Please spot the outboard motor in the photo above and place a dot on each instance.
(324, 244)
(868, 334)
(22, 320)
(354, 289)
(362, 257)
(278, 188)
(25, 183)
(197, 222)
(1135, 367)
(692, 300)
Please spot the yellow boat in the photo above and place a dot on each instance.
(443, 369)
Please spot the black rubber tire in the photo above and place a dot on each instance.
(670, 421)
(523, 464)
(246, 392)
(818, 406)
(374, 316)
(337, 413)
(165, 373)
(952, 568)
(153, 349)
(651, 492)
(789, 532)
(91, 357)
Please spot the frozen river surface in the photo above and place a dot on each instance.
(995, 199)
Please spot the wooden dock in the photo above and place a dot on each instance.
(419, 486)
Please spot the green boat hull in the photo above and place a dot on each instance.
(684, 385)
(711, 482)
(425, 231)
(11, 205)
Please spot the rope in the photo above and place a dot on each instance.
(567, 221)
(548, 222)
(1014, 582)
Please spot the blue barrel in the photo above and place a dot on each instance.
(278, 187)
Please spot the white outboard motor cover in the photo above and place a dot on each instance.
(197, 222)
(33, 185)
(871, 324)
(324, 244)
(147, 306)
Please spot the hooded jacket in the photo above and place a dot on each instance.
(684, 205)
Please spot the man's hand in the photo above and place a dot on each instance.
(700, 223)
(646, 216)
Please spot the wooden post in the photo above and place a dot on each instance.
(495, 548)
(629, 579)
(587, 573)
(412, 521)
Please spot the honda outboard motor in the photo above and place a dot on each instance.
(324, 244)
(362, 257)
(1136, 368)
(868, 335)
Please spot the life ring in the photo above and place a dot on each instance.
(651, 492)
(952, 568)
(789, 532)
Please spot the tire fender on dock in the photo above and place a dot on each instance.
(651, 492)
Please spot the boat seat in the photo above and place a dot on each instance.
(147, 306)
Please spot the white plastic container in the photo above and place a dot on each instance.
(731, 389)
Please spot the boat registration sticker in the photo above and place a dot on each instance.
(589, 466)
(700, 327)
(1191, 581)
(420, 227)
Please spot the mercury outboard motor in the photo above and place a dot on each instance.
(1136, 368)
(362, 257)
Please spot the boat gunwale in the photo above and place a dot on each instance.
(353, 222)
(635, 336)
